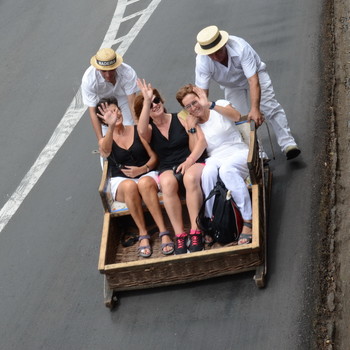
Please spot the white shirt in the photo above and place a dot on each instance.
(94, 87)
(243, 63)
(221, 134)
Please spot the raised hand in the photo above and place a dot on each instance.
(203, 98)
(109, 117)
(146, 90)
(103, 109)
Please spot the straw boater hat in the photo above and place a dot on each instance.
(210, 39)
(106, 59)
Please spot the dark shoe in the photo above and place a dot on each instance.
(292, 152)
(196, 241)
(181, 244)
(164, 245)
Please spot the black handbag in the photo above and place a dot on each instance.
(180, 180)
(226, 222)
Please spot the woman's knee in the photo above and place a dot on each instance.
(168, 183)
(192, 177)
(127, 189)
(147, 183)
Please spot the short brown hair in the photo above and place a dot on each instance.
(138, 103)
(184, 91)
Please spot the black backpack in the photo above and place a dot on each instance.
(226, 222)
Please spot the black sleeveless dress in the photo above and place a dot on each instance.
(172, 151)
(136, 155)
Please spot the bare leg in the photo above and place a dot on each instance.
(148, 190)
(128, 192)
(194, 200)
(194, 194)
(172, 201)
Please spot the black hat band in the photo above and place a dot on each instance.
(212, 44)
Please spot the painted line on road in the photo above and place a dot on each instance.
(74, 112)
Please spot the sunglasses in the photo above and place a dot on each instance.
(156, 101)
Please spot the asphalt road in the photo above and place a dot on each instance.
(51, 293)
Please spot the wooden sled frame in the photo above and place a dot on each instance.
(177, 269)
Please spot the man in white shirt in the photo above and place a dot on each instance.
(108, 76)
(238, 69)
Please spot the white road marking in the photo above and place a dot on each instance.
(75, 111)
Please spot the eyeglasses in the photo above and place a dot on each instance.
(192, 104)
(156, 101)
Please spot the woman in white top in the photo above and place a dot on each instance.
(226, 150)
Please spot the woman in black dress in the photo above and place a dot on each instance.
(131, 160)
(172, 140)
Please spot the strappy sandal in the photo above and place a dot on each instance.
(169, 244)
(141, 249)
(246, 236)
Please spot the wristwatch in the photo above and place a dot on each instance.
(192, 131)
(212, 106)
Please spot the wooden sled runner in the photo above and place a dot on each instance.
(124, 270)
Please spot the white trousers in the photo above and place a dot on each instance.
(232, 171)
(269, 106)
